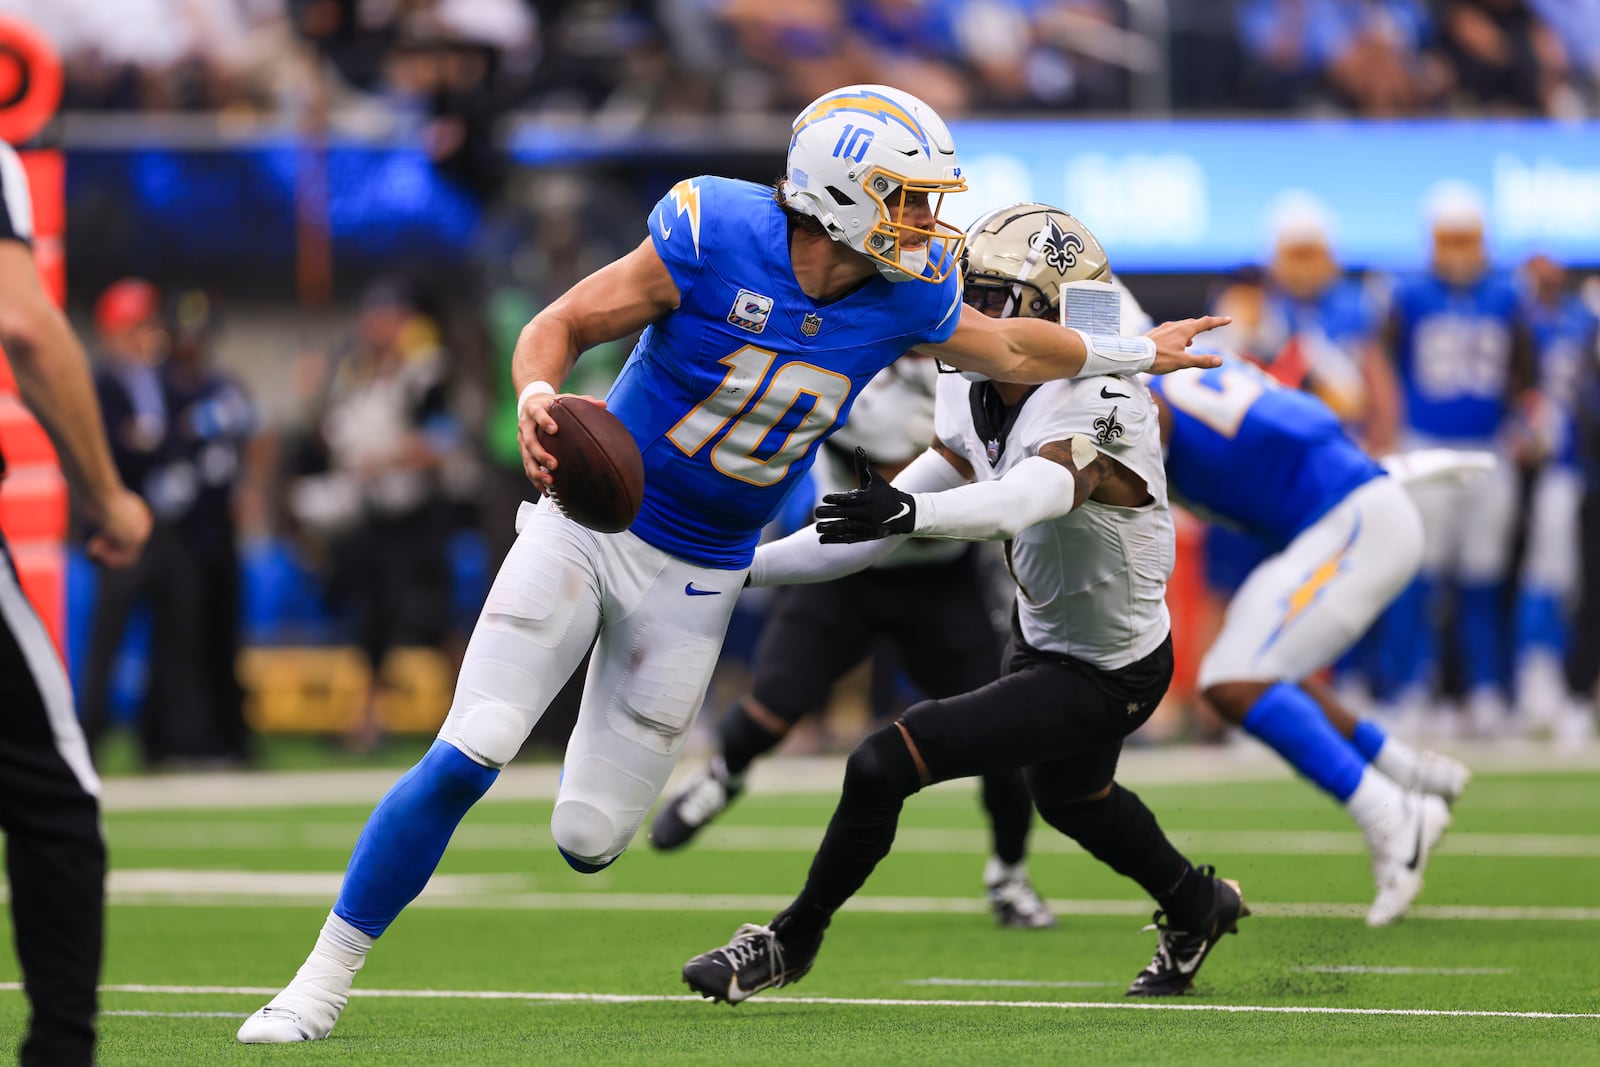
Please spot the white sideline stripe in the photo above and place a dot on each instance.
(875, 1002)
(180, 1014)
(1146, 767)
(1005, 983)
(225, 888)
(492, 837)
(1356, 968)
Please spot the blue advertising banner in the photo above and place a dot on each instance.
(1206, 195)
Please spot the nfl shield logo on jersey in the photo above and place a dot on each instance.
(811, 324)
(750, 311)
(991, 448)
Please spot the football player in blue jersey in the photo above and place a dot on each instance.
(929, 601)
(1459, 345)
(1564, 336)
(764, 314)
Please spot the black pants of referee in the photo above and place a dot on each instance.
(936, 619)
(55, 856)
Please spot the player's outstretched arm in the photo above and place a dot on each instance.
(613, 302)
(1037, 350)
(1042, 487)
(53, 377)
(804, 558)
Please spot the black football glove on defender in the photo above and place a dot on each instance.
(875, 510)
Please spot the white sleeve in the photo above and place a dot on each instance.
(1034, 491)
(801, 559)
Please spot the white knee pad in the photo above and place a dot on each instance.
(599, 809)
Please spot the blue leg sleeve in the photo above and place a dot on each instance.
(1293, 724)
(406, 834)
(1369, 739)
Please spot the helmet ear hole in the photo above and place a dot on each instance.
(839, 196)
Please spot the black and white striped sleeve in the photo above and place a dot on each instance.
(16, 205)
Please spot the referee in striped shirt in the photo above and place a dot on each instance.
(49, 794)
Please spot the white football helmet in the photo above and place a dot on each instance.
(857, 150)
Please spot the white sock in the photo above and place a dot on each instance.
(1376, 799)
(995, 872)
(340, 951)
(1397, 761)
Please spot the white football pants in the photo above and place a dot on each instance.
(1299, 610)
(1468, 524)
(656, 624)
(1550, 564)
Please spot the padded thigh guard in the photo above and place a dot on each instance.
(663, 629)
(1300, 609)
(540, 618)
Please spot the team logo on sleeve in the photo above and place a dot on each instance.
(751, 310)
(1107, 428)
(811, 324)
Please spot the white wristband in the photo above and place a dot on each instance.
(1109, 353)
(532, 389)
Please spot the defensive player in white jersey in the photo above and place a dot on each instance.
(767, 311)
(1342, 540)
(1070, 475)
(928, 601)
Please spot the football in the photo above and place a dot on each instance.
(599, 474)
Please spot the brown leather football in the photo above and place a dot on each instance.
(599, 474)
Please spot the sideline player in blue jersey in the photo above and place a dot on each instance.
(764, 313)
(1460, 349)
(1564, 334)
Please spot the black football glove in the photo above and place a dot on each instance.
(875, 510)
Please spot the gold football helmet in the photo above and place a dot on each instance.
(1017, 259)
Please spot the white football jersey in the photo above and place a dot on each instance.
(1091, 584)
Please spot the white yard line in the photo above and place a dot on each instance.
(1004, 983)
(1247, 761)
(232, 888)
(876, 1002)
(513, 837)
(1356, 968)
(180, 1015)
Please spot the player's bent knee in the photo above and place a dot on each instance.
(489, 733)
(882, 765)
(1233, 700)
(586, 836)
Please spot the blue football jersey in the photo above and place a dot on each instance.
(1266, 459)
(1341, 312)
(730, 395)
(1453, 348)
(1562, 337)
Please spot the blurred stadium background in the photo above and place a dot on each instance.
(323, 222)
(349, 207)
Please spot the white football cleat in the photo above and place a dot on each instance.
(306, 1010)
(1400, 854)
(1440, 776)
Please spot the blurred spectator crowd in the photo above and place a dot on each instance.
(459, 64)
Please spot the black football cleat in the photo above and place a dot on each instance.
(754, 960)
(1179, 953)
(705, 797)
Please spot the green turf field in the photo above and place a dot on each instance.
(530, 963)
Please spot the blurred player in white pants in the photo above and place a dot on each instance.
(1564, 337)
(1461, 351)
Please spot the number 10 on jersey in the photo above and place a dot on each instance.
(736, 455)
